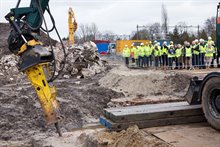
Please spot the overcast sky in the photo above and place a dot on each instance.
(122, 16)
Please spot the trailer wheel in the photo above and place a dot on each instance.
(211, 102)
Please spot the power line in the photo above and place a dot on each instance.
(178, 26)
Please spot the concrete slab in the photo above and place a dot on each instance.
(152, 112)
(190, 135)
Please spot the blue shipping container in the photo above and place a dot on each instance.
(102, 47)
(161, 41)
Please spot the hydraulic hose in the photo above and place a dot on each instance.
(53, 77)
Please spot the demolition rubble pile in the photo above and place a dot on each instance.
(82, 61)
(8, 69)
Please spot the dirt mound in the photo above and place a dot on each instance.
(4, 31)
(146, 82)
(132, 137)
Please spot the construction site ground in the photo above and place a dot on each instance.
(83, 100)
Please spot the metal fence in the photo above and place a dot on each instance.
(196, 61)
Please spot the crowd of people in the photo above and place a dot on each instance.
(199, 54)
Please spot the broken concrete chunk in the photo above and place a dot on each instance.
(77, 82)
(87, 72)
(66, 76)
(82, 60)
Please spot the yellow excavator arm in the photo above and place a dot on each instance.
(34, 59)
(72, 25)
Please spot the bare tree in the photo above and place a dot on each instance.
(108, 35)
(87, 32)
(82, 32)
(150, 31)
(94, 30)
(155, 30)
(164, 19)
(182, 26)
(210, 25)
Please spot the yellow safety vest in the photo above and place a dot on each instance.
(178, 52)
(202, 48)
(126, 52)
(160, 51)
(136, 53)
(141, 51)
(209, 52)
(194, 51)
(210, 42)
(147, 51)
(164, 51)
(156, 52)
(188, 52)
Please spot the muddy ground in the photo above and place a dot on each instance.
(81, 100)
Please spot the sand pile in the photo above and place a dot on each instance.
(132, 137)
(146, 82)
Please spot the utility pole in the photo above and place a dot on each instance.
(137, 33)
(198, 31)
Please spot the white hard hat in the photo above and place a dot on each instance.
(165, 42)
(155, 41)
(126, 45)
(196, 40)
(201, 40)
(158, 43)
(142, 43)
(209, 38)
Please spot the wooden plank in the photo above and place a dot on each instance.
(151, 123)
(108, 111)
(157, 114)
